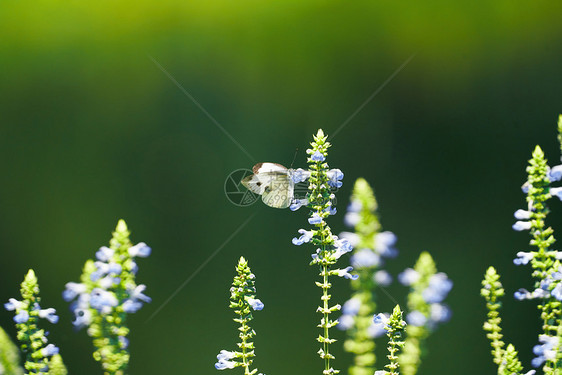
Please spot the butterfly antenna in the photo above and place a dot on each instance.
(294, 157)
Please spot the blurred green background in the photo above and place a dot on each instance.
(93, 131)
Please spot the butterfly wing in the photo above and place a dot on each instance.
(279, 192)
(272, 181)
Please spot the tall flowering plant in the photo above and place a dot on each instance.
(371, 247)
(40, 355)
(547, 272)
(106, 295)
(320, 200)
(243, 301)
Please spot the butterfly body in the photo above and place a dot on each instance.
(273, 182)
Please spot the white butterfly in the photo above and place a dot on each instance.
(273, 182)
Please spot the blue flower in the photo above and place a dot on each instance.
(439, 313)
(438, 288)
(351, 306)
(298, 203)
(556, 192)
(523, 258)
(382, 278)
(105, 269)
(331, 210)
(381, 320)
(345, 322)
(342, 246)
(334, 178)
(557, 292)
(318, 156)
(123, 342)
(384, 244)
(255, 303)
(522, 294)
(72, 290)
(352, 238)
(299, 175)
(14, 304)
(49, 350)
(104, 254)
(521, 225)
(224, 360)
(315, 219)
(375, 330)
(555, 173)
(102, 300)
(416, 318)
(351, 218)
(408, 277)
(21, 317)
(365, 258)
(546, 351)
(140, 250)
(305, 237)
(48, 314)
(522, 214)
(345, 272)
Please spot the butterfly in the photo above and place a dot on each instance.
(273, 182)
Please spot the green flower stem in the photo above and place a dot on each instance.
(358, 342)
(492, 290)
(395, 333)
(544, 262)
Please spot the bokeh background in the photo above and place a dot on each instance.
(92, 130)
